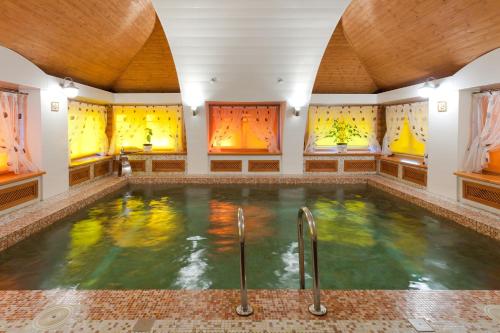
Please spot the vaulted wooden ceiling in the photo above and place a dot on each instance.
(402, 42)
(117, 45)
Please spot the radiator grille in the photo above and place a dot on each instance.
(101, 168)
(321, 166)
(389, 168)
(263, 165)
(486, 195)
(138, 165)
(414, 175)
(169, 166)
(225, 166)
(360, 165)
(79, 175)
(18, 194)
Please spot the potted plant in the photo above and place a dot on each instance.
(148, 146)
(343, 132)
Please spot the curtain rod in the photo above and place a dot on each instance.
(488, 91)
(12, 91)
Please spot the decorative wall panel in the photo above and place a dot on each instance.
(226, 165)
(169, 165)
(389, 168)
(415, 175)
(264, 165)
(18, 194)
(360, 166)
(484, 194)
(80, 175)
(321, 166)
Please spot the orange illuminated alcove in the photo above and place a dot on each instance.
(240, 128)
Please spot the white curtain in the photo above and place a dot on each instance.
(226, 121)
(485, 131)
(418, 119)
(13, 109)
(262, 121)
(321, 119)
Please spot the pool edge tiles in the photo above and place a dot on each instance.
(481, 221)
(275, 310)
(26, 221)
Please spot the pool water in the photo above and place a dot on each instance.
(185, 237)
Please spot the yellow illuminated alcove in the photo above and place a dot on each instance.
(130, 124)
(407, 143)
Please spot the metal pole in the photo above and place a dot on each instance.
(316, 308)
(244, 309)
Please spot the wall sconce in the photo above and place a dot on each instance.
(69, 88)
(427, 88)
(296, 111)
(195, 111)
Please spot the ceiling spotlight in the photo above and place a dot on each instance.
(213, 80)
(280, 80)
(69, 88)
(194, 109)
(296, 111)
(427, 88)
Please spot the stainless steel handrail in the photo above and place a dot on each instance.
(316, 308)
(244, 309)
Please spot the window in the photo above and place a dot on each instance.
(407, 126)
(321, 120)
(132, 124)
(87, 129)
(244, 128)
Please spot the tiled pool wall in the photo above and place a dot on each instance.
(26, 221)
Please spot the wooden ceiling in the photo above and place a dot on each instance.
(112, 44)
(402, 42)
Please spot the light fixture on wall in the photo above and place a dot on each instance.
(69, 88)
(213, 80)
(195, 111)
(280, 80)
(296, 111)
(427, 88)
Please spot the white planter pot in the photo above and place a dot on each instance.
(341, 147)
(148, 147)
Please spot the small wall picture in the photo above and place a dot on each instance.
(54, 106)
(441, 106)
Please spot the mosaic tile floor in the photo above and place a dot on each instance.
(274, 311)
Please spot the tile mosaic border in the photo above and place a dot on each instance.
(26, 221)
(275, 310)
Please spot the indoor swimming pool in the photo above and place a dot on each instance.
(185, 237)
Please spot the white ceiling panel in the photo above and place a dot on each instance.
(247, 45)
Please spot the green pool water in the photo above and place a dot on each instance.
(185, 236)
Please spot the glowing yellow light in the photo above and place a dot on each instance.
(3, 162)
(407, 142)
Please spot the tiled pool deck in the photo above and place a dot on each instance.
(275, 310)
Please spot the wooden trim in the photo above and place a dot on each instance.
(492, 179)
(18, 194)
(484, 194)
(168, 165)
(389, 168)
(157, 152)
(102, 168)
(10, 177)
(244, 154)
(415, 175)
(138, 165)
(321, 165)
(80, 175)
(226, 165)
(88, 160)
(263, 165)
(360, 165)
(342, 154)
(401, 161)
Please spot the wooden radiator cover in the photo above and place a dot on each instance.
(18, 194)
(360, 165)
(169, 165)
(77, 176)
(226, 165)
(484, 194)
(101, 168)
(138, 165)
(321, 165)
(389, 168)
(415, 175)
(264, 165)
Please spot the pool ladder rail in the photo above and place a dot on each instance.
(316, 308)
(244, 309)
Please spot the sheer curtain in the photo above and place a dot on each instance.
(262, 121)
(13, 109)
(485, 131)
(226, 122)
(418, 118)
(321, 119)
